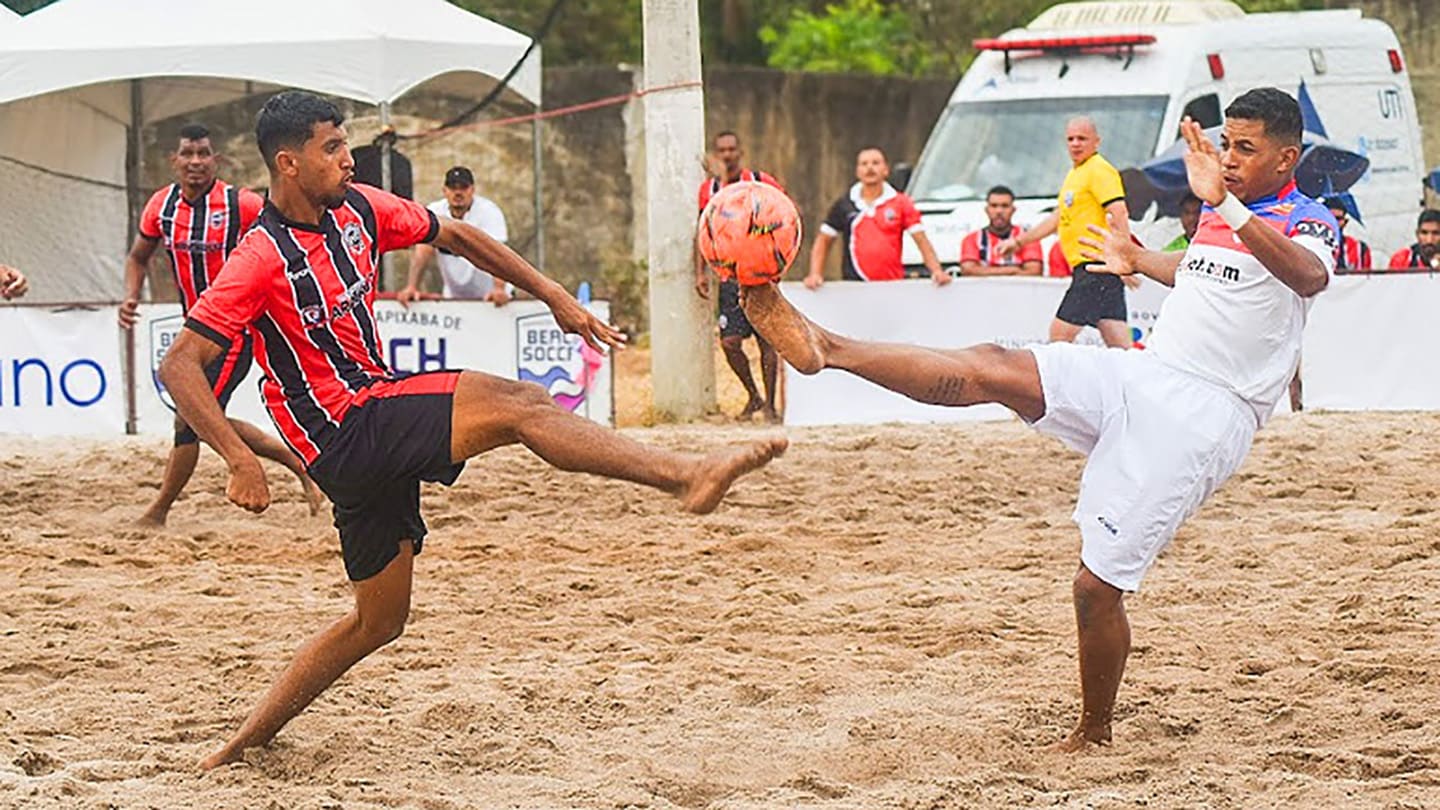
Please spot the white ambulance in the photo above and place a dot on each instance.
(1136, 68)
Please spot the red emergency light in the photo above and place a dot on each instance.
(1396, 64)
(1117, 42)
(1217, 68)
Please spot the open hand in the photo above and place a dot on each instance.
(1115, 253)
(575, 319)
(1202, 163)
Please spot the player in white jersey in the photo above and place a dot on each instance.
(1163, 428)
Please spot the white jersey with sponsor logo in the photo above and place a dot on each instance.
(1229, 320)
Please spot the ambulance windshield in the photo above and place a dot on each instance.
(1021, 144)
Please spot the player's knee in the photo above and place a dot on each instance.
(382, 628)
(1093, 593)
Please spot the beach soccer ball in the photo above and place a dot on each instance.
(749, 231)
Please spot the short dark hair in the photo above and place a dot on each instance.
(725, 133)
(1187, 199)
(870, 147)
(1428, 215)
(289, 119)
(1000, 190)
(1273, 107)
(194, 132)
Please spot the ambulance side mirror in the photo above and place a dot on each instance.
(900, 175)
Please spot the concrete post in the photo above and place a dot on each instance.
(682, 335)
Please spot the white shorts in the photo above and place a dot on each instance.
(1159, 441)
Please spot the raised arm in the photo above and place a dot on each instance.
(1292, 263)
(481, 250)
(183, 373)
(1119, 256)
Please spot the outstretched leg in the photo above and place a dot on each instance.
(954, 377)
(1104, 635)
(267, 446)
(382, 605)
(490, 412)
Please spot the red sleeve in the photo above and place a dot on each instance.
(236, 298)
(702, 194)
(1400, 259)
(970, 247)
(250, 206)
(150, 217)
(1033, 253)
(909, 214)
(401, 223)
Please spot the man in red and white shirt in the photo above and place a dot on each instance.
(734, 328)
(305, 280)
(200, 219)
(1425, 253)
(978, 254)
(871, 222)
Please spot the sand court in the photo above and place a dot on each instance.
(881, 618)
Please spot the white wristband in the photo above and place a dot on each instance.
(1233, 212)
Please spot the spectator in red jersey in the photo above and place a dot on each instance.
(1354, 255)
(305, 279)
(1425, 253)
(12, 283)
(725, 168)
(978, 256)
(200, 219)
(871, 222)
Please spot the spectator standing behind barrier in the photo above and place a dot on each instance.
(1425, 253)
(12, 283)
(461, 278)
(978, 254)
(1091, 189)
(725, 169)
(1354, 255)
(871, 222)
(1189, 223)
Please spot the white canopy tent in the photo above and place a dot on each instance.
(7, 16)
(79, 78)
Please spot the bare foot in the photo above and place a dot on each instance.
(314, 497)
(222, 757)
(718, 470)
(754, 406)
(149, 521)
(783, 327)
(772, 416)
(1082, 738)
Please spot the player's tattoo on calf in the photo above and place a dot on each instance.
(948, 390)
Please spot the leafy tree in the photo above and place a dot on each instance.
(860, 36)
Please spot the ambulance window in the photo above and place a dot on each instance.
(1204, 110)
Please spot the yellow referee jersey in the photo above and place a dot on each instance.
(1088, 188)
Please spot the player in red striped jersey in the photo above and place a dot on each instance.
(305, 279)
(200, 219)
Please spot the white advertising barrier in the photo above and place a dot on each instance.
(518, 341)
(60, 372)
(1370, 344)
(1010, 311)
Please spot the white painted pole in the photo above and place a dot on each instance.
(682, 332)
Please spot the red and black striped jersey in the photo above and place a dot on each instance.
(199, 235)
(711, 186)
(308, 294)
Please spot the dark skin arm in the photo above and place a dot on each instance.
(135, 264)
(505, 264)
(183, 373)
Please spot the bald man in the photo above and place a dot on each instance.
(1091, 190)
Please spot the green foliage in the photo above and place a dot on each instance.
(860, 36)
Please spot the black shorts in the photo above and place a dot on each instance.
(224, 374)
(1093, 297)
(395, 437)
(733, 322)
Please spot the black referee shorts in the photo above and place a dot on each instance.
(1092, 298)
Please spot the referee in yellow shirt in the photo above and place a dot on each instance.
(1091, 190)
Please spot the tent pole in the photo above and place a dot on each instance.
(538, 166)
(134, 165)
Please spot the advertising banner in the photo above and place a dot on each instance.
(60, 372)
